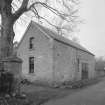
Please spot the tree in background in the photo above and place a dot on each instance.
(100, 63)
(12, 10)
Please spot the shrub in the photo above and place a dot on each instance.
(25, 81)
(6, 82)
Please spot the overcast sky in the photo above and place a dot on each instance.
(92, 32)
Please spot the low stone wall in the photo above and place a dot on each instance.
(12, 65)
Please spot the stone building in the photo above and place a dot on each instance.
(50, 57)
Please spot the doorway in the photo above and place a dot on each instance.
(84, 72)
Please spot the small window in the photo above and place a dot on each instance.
(31, 64)
(31, 43)
(78, 61)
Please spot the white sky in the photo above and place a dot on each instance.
(92, 32)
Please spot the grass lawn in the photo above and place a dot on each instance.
(41, 94)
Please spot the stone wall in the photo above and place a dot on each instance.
(42, 54)
(13, 65)
(65, 62)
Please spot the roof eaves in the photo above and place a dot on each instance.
(24, 34)
(73, 46)
(44, 30)
(50, 36)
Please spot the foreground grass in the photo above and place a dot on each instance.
(37, 95)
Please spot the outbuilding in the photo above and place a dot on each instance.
(50, 57)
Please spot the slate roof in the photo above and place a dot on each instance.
(57, 37)
(60, 38)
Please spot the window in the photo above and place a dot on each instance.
(31, 43)
(84, 66)
(31, 64)
(78, 61)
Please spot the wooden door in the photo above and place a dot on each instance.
(84, 74)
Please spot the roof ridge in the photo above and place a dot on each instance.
(61, 38)
(54, 35)
(54, 32)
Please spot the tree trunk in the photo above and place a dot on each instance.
(7, 36)
(7, 21)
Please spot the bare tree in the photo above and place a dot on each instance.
(11, 11)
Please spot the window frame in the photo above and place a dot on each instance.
(85, 66)
(31, 65)
(31, 43)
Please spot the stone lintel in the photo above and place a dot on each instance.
(12, 59)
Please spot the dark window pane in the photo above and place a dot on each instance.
(78, 64)
(31, 64)
(31, 43)
(85, 70)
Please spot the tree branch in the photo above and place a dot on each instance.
(21, 10)
(40, 17)
(48, 7)
(24, 8)
(69, 15)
